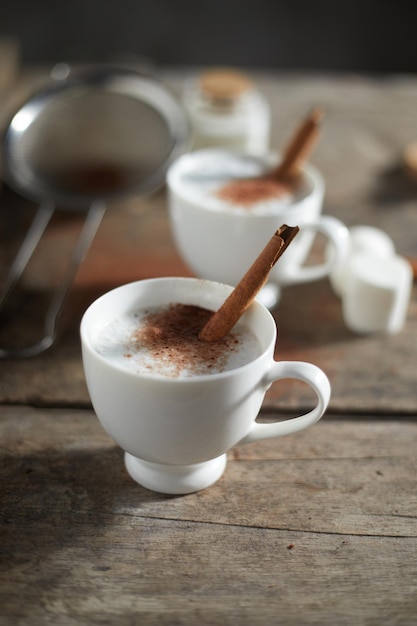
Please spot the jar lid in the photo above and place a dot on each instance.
(224, 83)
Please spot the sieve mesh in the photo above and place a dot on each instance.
(106, 135)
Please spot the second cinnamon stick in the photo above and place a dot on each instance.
(300, 147)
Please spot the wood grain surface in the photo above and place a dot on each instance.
(315, 528)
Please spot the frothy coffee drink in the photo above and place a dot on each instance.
(164, 341)
(204, 180)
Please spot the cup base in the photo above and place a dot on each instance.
(269, 296)
(175, 479)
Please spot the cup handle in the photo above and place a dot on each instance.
(338, 236)
(306, 372)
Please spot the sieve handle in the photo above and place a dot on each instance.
(90, 227)
(35, 232)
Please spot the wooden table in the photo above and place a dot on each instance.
(314, 528)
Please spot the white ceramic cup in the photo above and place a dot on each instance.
(176, 431)
(219, 243)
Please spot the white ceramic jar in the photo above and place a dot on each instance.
(227, 109)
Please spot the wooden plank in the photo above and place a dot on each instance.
(132, 570)
(340, 476)
(303, 530)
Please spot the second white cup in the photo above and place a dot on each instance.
(219, 240)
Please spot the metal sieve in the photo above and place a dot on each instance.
(94, 136)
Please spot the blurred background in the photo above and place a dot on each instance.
(359, 36)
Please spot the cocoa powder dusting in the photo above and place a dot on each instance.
(246, 192)
(170, 336)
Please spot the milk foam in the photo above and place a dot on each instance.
(120, 342)
(202, 178)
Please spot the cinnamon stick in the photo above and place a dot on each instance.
(223, 320)
(299, 147)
